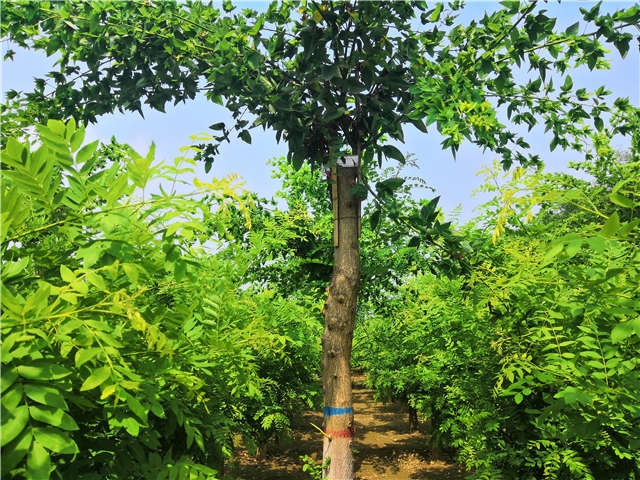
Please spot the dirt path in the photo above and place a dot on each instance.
(385, 449)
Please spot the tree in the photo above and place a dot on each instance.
(331, 79)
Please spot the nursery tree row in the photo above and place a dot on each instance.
(112, 281)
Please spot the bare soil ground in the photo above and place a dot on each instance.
(384, 447)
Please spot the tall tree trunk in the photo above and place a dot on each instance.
(339, 313)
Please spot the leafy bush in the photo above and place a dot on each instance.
(529, 366)
(127, 350)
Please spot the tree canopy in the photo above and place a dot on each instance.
(315, 71)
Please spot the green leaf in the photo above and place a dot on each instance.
(435, 16)
(328, 72)
(14, 269)
(552, 253)
(245, 136)
(390, 184)
(597, 244)
(38, 462)
(13, 397)
(419, 124)
(42, 370)
(55, 440)
(573, 247)
(428, 212)
(86, 152)
(535, 85)
(360, 191)
(83, 355)
(217, 126)
(624, 330)
(66, 274)
(621, 42)
(53, 133)
(568, 83)
(611, 226)
(76, 139)
(253, 60)
(136, 407)
(53, 416)
(573, 29)
(621, 200)
(13, 422)
(256, 28)
(80, 287)
(392, 152)
(635, 323)
(132, 272)
(374, 219)
(45, 394)
(612, 272)
(628, 227)
(180, 269)
(14, 452)
(572, 395)
(131, 426)
(96, 280)
(97, 378)
(297, 160)
(7, 377)
(14, 150)
(70, 128)
(599, 124)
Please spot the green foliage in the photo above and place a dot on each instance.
(314, 468)
(289, 247)
(465, 85)
(529, 365)
(333, 76)
(127, 350)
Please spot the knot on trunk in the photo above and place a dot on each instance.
(335, 322)
(342, 282)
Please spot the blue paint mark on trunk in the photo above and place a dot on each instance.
(330, 411)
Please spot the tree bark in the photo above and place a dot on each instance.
(339, 313)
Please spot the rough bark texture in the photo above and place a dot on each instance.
(339, 313)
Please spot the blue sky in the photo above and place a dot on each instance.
(453, 180)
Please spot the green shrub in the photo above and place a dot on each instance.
(127, 350)
(529, 366)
